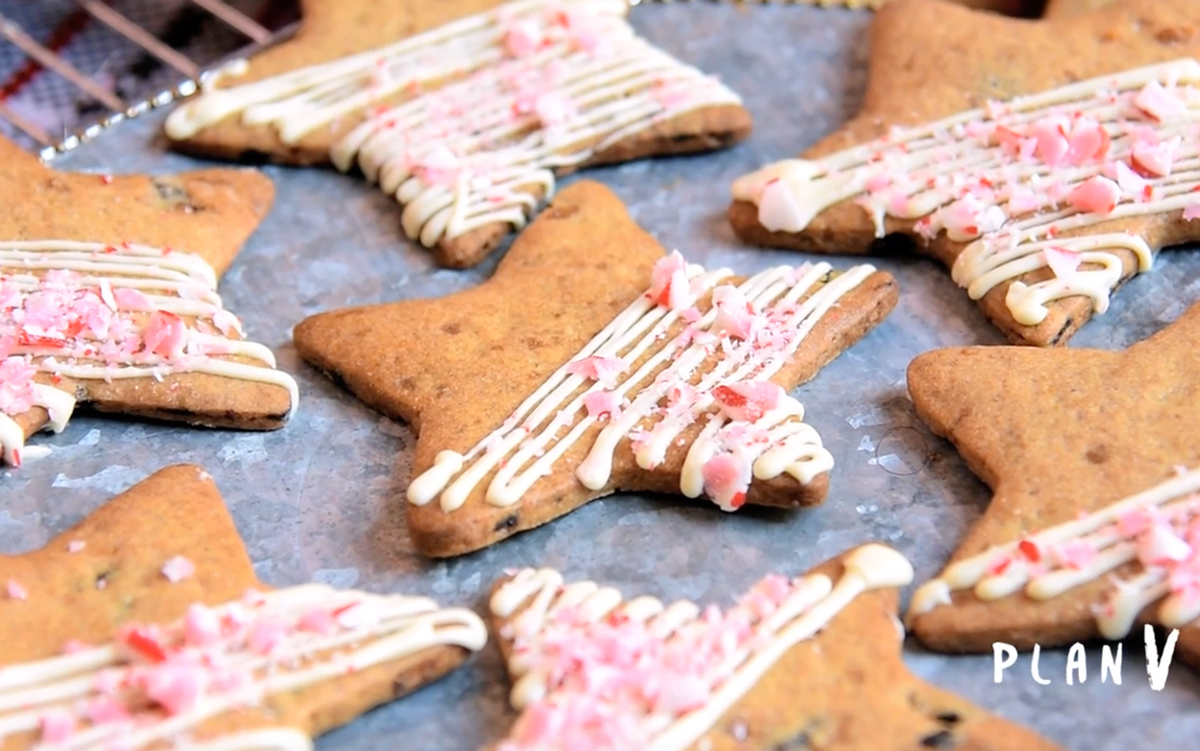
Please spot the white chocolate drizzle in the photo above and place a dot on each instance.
(47, 289)
(499, 102)
(987, 178)
(116, 695)
(536, 603)
(1155, 530)
(531, 440)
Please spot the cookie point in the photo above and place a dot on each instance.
(928, 596)
(433, 481)
(880, 566)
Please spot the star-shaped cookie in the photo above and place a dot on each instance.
(591, 362)
(108, 296)
(812, 662)
(1045, 162)
(1061, 436)
(146, 621)
(464, 110)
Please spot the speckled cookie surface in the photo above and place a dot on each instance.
(843, 689)
(207, 212)
(919, 75)
(1056, 434)
(455, 368)
(1065, 8)
(113, 571)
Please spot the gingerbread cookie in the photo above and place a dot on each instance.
(89, 315)
(1041, 204)
(1091, 528)
(812, 662)
(145, 624)
(464, 110)
(591, 362)
(1064, 8)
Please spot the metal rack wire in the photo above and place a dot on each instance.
(42, 58)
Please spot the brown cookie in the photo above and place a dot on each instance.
(208, 212)
(549, 386)
(803, 664)
(464, 110)
(1065, 8)
(198, 645)
(1061, 436)
(1041, 205)
(91, 313)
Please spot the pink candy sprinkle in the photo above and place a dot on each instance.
(604, 369)
(1160, 546)
(1155, 159)
(748, 400)
(970, 217)
(1096, 195)
(226, 322)
(318, 621)
(74, 646)
(587, 40)
(15, 591)
(57, 726)
(74, 546)
(175, 688)
(1134, 522)
(131, 299)
(178, 568)
(726, 480)
(16, 386)
(165, 335)
(440, 167)
(267, 635)
(201, 626)
(553, 109)
(1075, 554)
(106, 709)
(735, 315)
(1088, 142)
(669, 284)
(1052, 143)
(1158, 102)
(602, 404)
(1192, 212)
(1063, 262)
(1132, 184)
(670, 94)
(777, 208)
(522, 39)
(1023, 201)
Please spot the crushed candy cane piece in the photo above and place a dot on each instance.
(178, 568)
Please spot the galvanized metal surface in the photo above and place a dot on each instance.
(322, 499)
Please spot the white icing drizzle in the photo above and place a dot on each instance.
(173, 282)
(530, 442)
(532, 599)
(58, 404)
(1004, 570)
(469, 152)
(368, 630)
(923, 173)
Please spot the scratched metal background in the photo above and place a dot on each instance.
(320, 500)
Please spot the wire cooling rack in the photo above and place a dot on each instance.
(70, 69)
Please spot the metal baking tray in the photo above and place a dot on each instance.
(322, 499)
